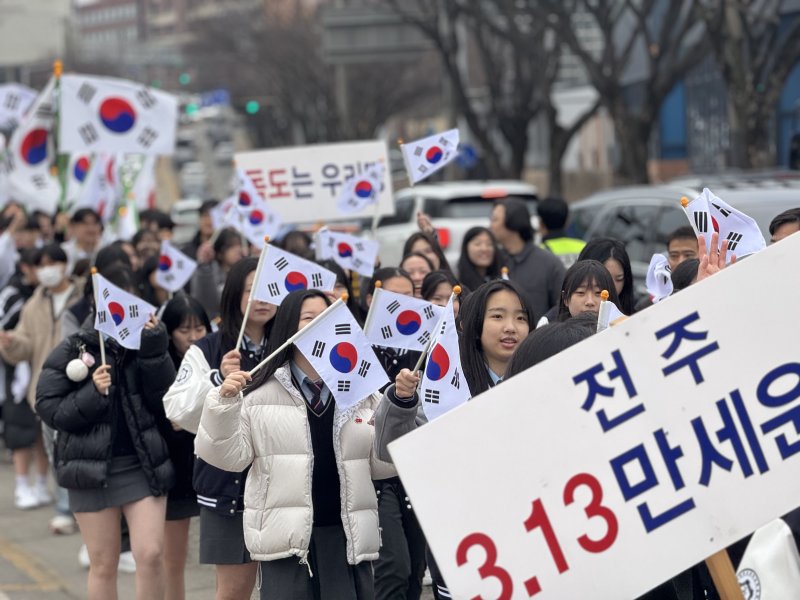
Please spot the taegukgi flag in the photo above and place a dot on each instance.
(399, 321)
(426, 156)
(224, 213)
(443, 385)
(253, 216)
(607, 314)
(659, 278)
(76, 177)
(15, 100)
(361, 190)
(29, 155)
(99, 190)
(341, 354)
(174, 268)
(284, 272)
(349, 252)
(104, 114)
(741, 231)
(120, 315)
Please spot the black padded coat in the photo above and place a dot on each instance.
(86, 420)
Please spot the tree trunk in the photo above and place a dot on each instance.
(633, 141)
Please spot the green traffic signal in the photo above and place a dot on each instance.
(252, 107)
(184, 78)
(192, 108)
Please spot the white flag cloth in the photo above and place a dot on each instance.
(771, 563)
(742, 232)
(426, 156)
(361, 190)
(400, 321)
(224, 213)
(284, 272)
(174, 268)
(120, 315)
(15, 100)
(138, 173)
(8, 257)
(341, 354)
(100, 190)
(30, 154)
(126, 222)
(350, 252)
(77, 178)
(253, 217)
(659, 278)
(607, 314)
(104, 114)
(443, 385)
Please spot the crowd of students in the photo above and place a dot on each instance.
(294, 494)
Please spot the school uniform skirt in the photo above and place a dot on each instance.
(126, 483)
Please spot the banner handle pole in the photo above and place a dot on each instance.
(367, 321)
(456, 292)
(259, 266)
(724, 576)
(291, 340)
(99, 333)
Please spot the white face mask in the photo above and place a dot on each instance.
(51, 275)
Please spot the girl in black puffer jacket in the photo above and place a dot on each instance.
(109, 453)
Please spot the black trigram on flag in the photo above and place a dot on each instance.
(319, 349)
(123, 333)
(281, 263)
(422, 169)
(106, 294)
(364, 368)
(12, 101)
(424, 338)
(386, 332)
(701, 221)
(359, 246)
(86, 92)
(444, 326)
(39, 181)
(146, 98)
(133, 310)
(342, 386)
(432, 396)
(456, 380)
(357, 262)
(428, 312)
(272, 288)
(88, 133)
(724, 211)
(733, 240)
(147, 137)
(393, 306)
(316, 280)
(102, 317)
(44, 111)
(418, 151)
(342, 329)
(169, 277)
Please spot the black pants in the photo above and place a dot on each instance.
(333, 577)
(401, 565)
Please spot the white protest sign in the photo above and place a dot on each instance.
(303, 183)
(550, 491)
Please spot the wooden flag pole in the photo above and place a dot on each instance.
(99, 333)
(259, 266)
(290, 341)
(456, 292)
(378, 286)
(722, 572)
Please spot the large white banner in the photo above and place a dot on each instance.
(625, 459)
(303, 183)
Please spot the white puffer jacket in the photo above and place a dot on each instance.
(270, 429)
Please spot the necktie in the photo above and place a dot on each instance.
(315, 401)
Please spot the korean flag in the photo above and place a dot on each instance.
(443, 385)
(426, 156)
(77, 177)
(361, 190)
(104, 114)
(120, 315)
(174, 268)
(224, 214)
(741, 231)
(29, 155)
(284, 272)
(15, 99)
(100, 190)
(659, 278)
(400, 321)
(697, 211)
(341, 354)
(348, 251)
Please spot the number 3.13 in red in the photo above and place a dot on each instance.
(538, 519)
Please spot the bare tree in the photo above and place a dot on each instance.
(665, 35)
(756, 52)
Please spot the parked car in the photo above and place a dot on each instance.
(643, 216)
(454, 207)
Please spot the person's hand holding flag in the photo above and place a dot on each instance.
(712, 261)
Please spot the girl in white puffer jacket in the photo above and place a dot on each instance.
(310, 508)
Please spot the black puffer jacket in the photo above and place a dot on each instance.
(87, 421)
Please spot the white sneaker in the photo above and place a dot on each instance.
(83, 556)
(63, 525)
(42, 494)
(126, 562)
(25, 498)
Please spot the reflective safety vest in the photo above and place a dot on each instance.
(565, 248)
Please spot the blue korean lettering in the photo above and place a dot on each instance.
(680, 333)
(767, 398)
(595, 388)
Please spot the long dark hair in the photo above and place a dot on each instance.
(384, 274)
(601, 250)
(286, 321)
(471, 317)
(684, 274)
(585, 272)
(467, 272)
(434, 243)
(182, 309)
(230, 304)
(434, 279)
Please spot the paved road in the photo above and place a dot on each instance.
(36, 565)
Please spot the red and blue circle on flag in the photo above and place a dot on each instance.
(363, 189)
(244, 198)
(295, 281)
(438, 363)
(256, 217)
(34, 146)
(117, 115)
(434, 154)
(408, 322)
(164, 263)
(344, 357)
(117, 312)
(344, 250)
(81, 168)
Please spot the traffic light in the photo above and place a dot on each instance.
(184, 78)
(192, 108)
(252, 107)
